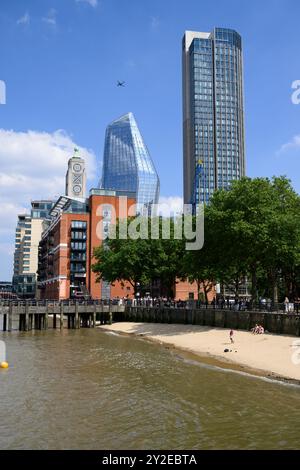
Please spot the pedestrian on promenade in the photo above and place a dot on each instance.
(286, 304)
(231, 336)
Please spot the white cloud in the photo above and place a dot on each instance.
(170, 205)
(50, 18)
(93, 3)
(33, 166)
(25, 19)
(294, 144)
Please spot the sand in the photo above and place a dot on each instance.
(268, 355)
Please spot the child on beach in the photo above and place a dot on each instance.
(231, 336)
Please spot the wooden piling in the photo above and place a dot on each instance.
(20, 322)
(10, 316)
(61, 316)
(77, 321)
(26, 316)
(46, 318)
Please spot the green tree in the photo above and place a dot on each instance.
(141, 261)
(254, 227)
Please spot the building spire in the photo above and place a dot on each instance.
(76, 177)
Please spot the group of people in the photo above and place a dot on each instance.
(218, 302)
(289, 307)
(258, 330)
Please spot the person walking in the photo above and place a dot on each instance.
(286, 304)
(231, 336)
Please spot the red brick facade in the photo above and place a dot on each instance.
(55, 247)
(55, 258)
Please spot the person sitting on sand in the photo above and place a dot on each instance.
(261, 330)
(258, 330)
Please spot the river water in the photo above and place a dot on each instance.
(88, 389)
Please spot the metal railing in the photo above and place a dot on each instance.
(266, 307)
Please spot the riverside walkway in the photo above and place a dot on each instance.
(28, 315)
(41, 315)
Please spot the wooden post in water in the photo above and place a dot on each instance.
(77, 321)
(95, 313)
(54, 320)
(4, 321)
(10, 316)
(61, 316)
(37, 321)
(26, 316)
(46, 320)
(21, 322)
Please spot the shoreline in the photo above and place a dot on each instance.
(202, 344)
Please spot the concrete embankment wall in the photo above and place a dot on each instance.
(272, 322)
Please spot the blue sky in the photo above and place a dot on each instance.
(60, 60)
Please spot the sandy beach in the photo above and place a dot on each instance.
(268, 355)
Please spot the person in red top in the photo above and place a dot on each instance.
(231, 336)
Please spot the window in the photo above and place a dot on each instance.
(78, 224)
(78, 246)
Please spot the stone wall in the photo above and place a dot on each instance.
(272, 322)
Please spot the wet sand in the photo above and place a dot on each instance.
(265, 355)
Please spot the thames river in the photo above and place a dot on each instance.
(87, 389)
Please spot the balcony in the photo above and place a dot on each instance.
(78, 236)
(78, 246)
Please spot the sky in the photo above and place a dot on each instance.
(60, 61)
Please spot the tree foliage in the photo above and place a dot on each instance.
(251, 231)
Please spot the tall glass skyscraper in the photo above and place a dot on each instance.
(213, 112)
(127, 163)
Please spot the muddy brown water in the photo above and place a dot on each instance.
(88, 389)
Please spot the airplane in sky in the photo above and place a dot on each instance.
(120, 83)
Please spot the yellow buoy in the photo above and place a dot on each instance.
(4, 365)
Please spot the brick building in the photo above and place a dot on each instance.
(68, 242)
